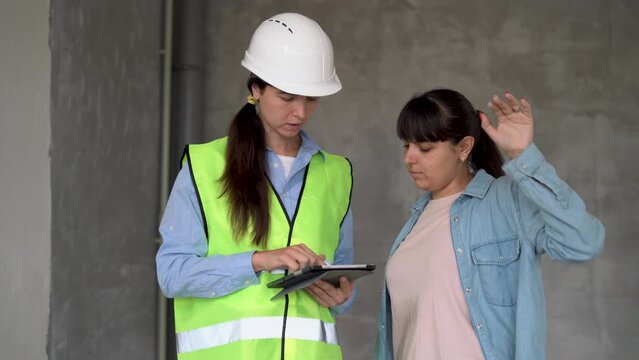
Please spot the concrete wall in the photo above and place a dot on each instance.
(79, 150)
(105, 121)
(25, 194)
(574, 60)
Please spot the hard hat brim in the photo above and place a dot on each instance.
(325, 88)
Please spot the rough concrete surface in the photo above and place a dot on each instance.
(574, 60)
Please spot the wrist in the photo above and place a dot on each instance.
(256, 261)
(515, 153)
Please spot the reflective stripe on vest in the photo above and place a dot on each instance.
(253, 329)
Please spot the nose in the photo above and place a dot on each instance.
(409, 155)
(300, 109)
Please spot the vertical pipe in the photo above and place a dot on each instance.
(188, 77)
(166, 52)
(182, 116)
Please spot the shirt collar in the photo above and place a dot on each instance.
(309, 145)
(477, 187)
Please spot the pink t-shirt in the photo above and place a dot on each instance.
(430, 314)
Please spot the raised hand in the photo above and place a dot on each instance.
(514, 130)
(292, 258)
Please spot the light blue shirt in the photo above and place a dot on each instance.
(500, 228)
(183, 268)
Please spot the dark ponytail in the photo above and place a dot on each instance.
(485, 154)
(244, 181)
(446, 115)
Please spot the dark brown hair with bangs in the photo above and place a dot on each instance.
(446, 115)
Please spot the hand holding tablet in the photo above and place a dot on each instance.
(310, 274)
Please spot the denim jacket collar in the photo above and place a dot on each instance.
(478, 187)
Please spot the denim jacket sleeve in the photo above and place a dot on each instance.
(553, 217)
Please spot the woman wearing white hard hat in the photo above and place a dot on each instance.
(262, 201)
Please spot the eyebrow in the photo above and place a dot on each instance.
(280, 92)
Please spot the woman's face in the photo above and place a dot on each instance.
(437, 167)
(283, 114)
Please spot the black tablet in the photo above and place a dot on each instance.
(330, 273)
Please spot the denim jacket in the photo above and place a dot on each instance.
(500, 227)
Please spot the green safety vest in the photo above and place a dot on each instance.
(247, 324)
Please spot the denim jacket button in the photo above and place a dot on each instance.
(455, 218)
(480, 326)
(468, 290)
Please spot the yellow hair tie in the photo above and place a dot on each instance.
(251, 100)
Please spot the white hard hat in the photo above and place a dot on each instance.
(292, 53)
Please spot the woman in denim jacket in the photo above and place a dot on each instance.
(464, 280)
